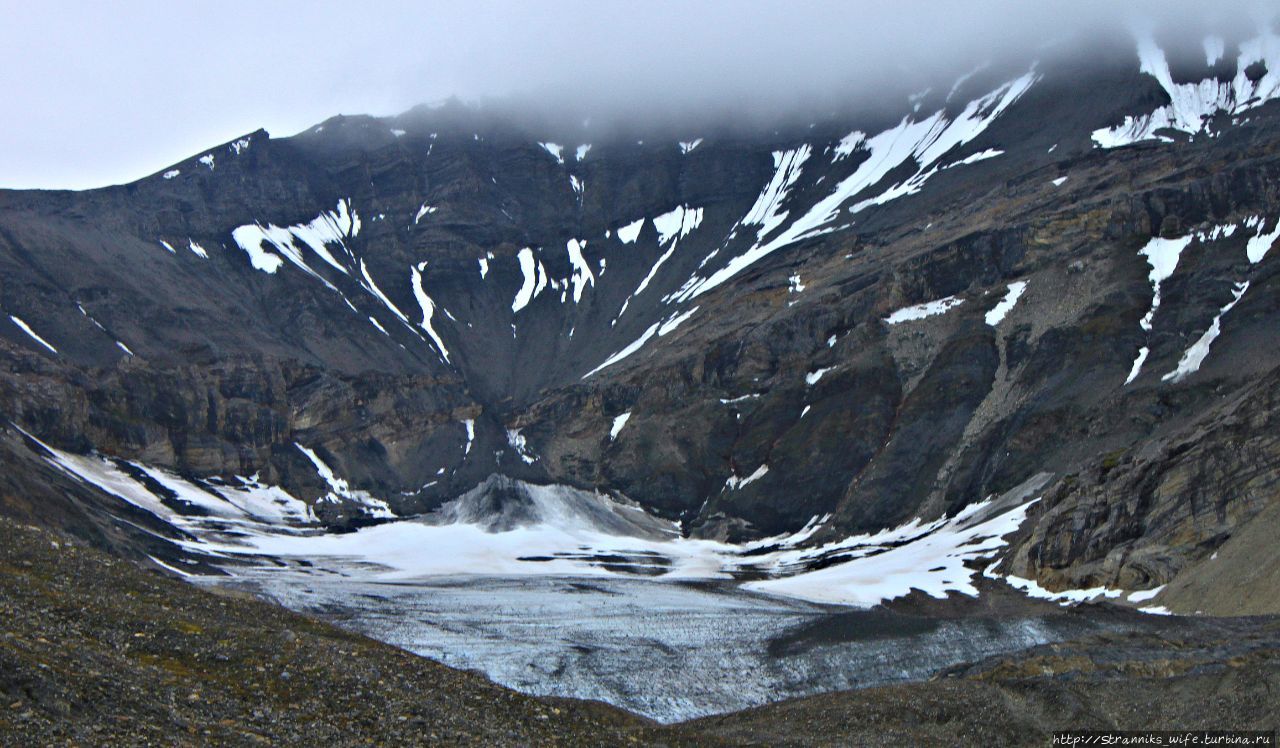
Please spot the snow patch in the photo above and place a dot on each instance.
(425, 210)
(921, 311)
(528, 269)
(582, 274)
(618, 423)
(556, 151)
(813, 377)
(629, 233)
(999, 311)
(734, 482)
(470, 426)
(517, 442)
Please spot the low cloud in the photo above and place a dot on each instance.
(105, 93)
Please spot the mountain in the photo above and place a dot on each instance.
(1052, 274)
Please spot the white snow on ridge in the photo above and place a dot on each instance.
(927, 309)
(999, 311)
(196, 249)
(618, 423)
(207, 160)
(331, 227)
(32, 333)
(1058, 182)
(171, 173)
(582, 151)
(1199, 350)
(687, 146)
(240, 145)
(629, 233)
(1193, 105)
(767, 211)
(557, 151)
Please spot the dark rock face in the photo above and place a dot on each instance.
(457, 300)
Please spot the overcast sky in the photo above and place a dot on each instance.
(98, 93)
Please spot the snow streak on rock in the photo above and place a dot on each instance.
(32, 333)
(922, 143)
(428, 307)
(1199, 350)
(339, 489)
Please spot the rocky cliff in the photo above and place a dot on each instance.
(1044, 267)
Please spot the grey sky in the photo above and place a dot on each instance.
(99, 93)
